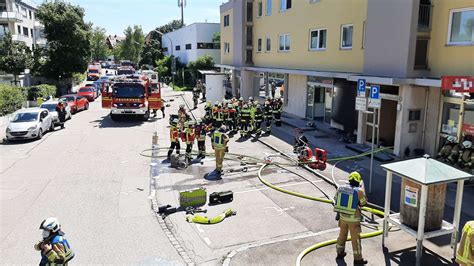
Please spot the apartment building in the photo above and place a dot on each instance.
(19, 18)
(322, 48)
(193, 41)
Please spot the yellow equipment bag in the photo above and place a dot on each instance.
(192, 198)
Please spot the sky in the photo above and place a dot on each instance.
(116, 15)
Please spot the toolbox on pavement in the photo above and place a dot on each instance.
(221, 197)
(192, 198)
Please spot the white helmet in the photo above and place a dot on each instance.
(467, 144)
(250, 99)
(51, 224)
(451, 139)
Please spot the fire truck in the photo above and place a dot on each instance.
(131, 96)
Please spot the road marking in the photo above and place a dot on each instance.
(208, 241)
(287, 185)
(199, 228)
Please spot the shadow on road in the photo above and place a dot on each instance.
(123, 122)
(408, 257)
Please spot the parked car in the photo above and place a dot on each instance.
(75, 102)
(30, 123)
(51, 106)
(90, 93)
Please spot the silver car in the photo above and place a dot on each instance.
(30, 123)
(51, 106)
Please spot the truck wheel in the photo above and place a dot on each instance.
(113, 117)
(146, 116)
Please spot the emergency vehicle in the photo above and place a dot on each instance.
(131, 95)
(93, 72)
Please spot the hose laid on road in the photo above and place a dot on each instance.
(198, 219)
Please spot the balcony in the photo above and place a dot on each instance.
(38, 25)
(8, 16)
(41, 42)
(424, 17)
(20, 38)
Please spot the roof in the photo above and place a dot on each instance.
(426, 171)
(210, 72)
(114, 40)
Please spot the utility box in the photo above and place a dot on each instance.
(410, 205)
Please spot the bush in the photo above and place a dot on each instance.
(11, 99)
(77, 78)
(41, 91)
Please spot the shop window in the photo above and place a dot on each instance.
(414, 115)
(450, 118)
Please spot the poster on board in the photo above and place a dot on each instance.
(411, 196)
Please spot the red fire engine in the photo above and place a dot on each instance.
(131, 95)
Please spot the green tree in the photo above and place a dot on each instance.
(132, 46)
(15, 57)
(163, 66)
(99, 49)
(68, 39)
(11, 99)
(151, 53)
(216, 37)
(168, 27)
(205, 62)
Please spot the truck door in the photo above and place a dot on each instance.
(106, 97)
(154, 99)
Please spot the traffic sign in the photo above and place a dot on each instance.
(361, 88)
(361, 104)
(374, 96)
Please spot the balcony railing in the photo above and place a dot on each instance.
(10, 16)
(424, 17)
(20, 38)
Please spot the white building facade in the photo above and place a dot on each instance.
(19, 18)
(193, 41)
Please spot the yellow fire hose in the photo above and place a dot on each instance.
(325, 243)
(198, 219)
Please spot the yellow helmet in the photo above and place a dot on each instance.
(355, 176)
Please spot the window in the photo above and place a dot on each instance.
(3, 29)
(23, 12)
(31, 16)
(165, 49)
(414, 115)
(177, 48)
(25, 31)
(317, 39)
(269, 44)
(259, 44)
(364, 25)
(285, 42)
(208, 45)
(260, 8)
(314, 1)
(346, 36)
(421, 54)
(226, 20)
(3, 6)
(226, 48)
(18, 29)
(269, 7)
(461, 26)
(188, 46)
(31, 31)
(285, 5)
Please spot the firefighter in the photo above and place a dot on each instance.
(253, 110)
(465, 253)
(200, 134)
(277, 110)
(195, 97)
(182, 116)
(258, 120)
(244, 120)
(348, 202)
(273, 89)
(466, 156)
(188, 137)
(174, 133)
(208, 113)
(219, 144)
(55, 249)
(231, 118)
(240, 103)
(268, 115)
(447, 148)
(219, 116)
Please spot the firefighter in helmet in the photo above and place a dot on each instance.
(219, 144)
(244, 120)
(258, 119)
(174, 137)
(55, 249)
(188, 137)
(268, 114)
(195, 97)
(200, 133)
(466, 156)
(447, 148)
(347, 203)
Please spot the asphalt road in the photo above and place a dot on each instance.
(91, 177)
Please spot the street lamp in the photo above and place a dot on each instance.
(173, 62)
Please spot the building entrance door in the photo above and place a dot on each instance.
(315, 108)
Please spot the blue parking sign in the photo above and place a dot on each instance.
(361, 87)
(375, 92)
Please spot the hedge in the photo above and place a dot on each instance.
(11, 99)
(40, 91)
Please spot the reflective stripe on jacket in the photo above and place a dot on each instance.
(465, 252)
(348, 201)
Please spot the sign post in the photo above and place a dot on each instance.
(375, 103)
